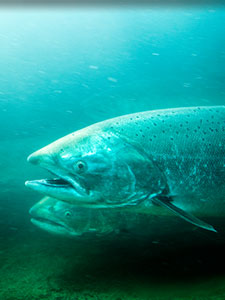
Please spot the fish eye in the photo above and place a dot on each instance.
(68, 213)
(80, 166)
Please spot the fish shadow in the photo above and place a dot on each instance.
(183, 258)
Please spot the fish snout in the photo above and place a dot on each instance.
(41, 157)
(32, 211)
(34, 158)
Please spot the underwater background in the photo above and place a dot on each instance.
(62, 69)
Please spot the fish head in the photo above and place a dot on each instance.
(61, 218)
(95, 168)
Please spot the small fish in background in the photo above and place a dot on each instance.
(151, 162)
(61, 218)
(65, 219)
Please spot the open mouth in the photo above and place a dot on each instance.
(55, 182)
(61, 187)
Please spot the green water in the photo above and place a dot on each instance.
(62, 69)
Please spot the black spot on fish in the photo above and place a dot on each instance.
(171, 138)
(143, 135)
(108, 137)
(141, 130)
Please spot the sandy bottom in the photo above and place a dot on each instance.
(35, 265)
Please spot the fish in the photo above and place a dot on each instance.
(170, 160)
(62, 218)
(65, 219)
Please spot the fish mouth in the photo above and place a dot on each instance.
(46, 221)
(54, 183)
(51, 226)
(61, 187)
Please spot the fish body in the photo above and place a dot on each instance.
(65, 219)
(173, 158)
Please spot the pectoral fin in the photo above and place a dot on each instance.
(166, 202)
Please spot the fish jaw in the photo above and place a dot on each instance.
(53, 190)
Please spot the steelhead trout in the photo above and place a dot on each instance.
(171, 159)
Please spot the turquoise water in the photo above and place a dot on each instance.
(63, 69)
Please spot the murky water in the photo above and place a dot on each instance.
(65, 68)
